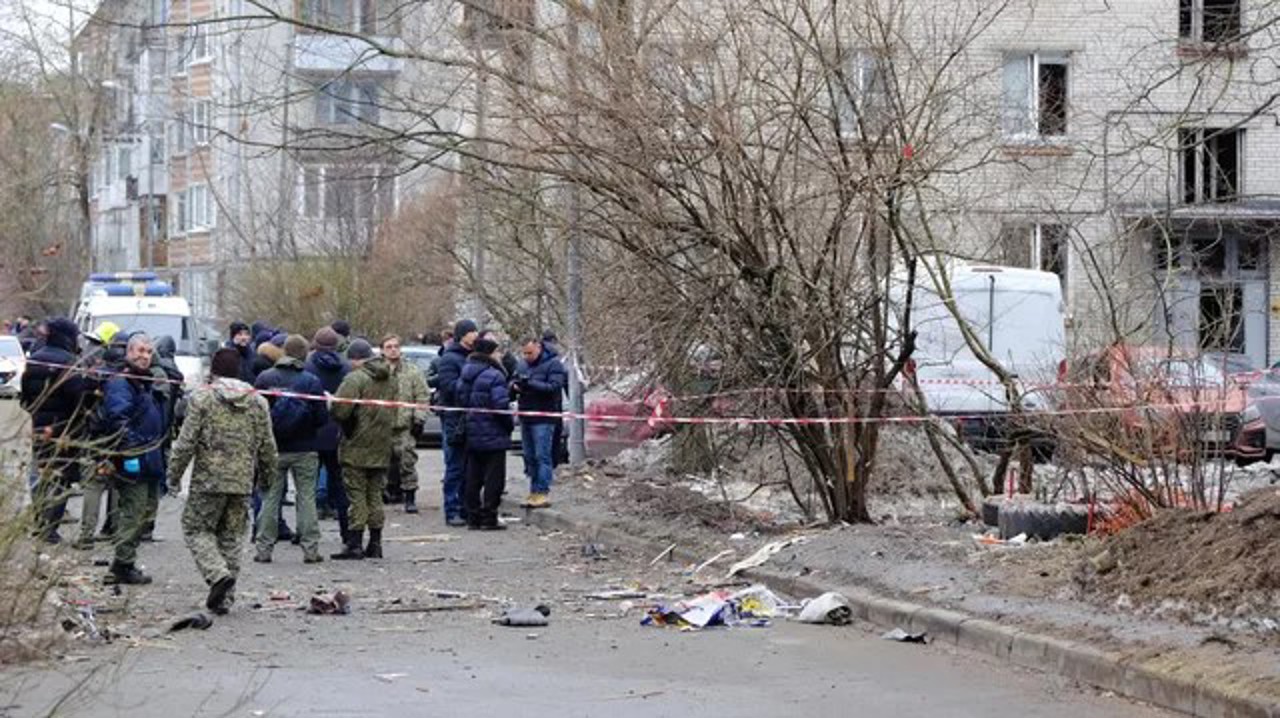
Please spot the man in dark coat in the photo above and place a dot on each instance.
(58, 395)
(242, 341)
(295, 423)
(169, 384)
(540, 383)
(330, 368)
(448, 372)
(488, 435)
(134, 429)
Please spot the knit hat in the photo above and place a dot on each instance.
(225, 363)
(296, 346)
(326, 339)
(236, 328)
(271, 351)
(359, 349)
(342, 327)
(278, 338)
(64, 329)
(485, 346)
(463, 328)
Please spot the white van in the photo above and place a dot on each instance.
(140, 302)
(1017, 314)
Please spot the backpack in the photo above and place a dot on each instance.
(290, 417)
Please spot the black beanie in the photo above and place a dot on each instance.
(225, 363)
(463, 328)
(342, 327)
(485, 346)
(236, 328)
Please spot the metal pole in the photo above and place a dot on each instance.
(573, 265)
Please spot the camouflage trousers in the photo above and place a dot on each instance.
(404, 455)
(133, 497)
(364, 489)
(214, 526)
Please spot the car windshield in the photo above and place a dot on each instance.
(10, 348)
(155, 326)
(1187, 371)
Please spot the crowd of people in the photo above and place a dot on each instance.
(111, 413)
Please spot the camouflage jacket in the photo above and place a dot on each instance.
(411, 387)
(367, 431)
(227, 435)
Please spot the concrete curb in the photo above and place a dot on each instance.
(1128, 675)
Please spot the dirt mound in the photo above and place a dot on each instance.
(669, 501)
(1214, 567)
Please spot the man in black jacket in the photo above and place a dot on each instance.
(540, 381)
(446, 381)
(57, 395)
(295, 423)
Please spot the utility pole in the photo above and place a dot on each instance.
(573, 263)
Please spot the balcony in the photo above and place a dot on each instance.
(333, 54)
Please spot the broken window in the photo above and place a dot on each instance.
(1042, 246)
(1209, 21)
(1035, 95)
(1222, 318)
(1211, 164)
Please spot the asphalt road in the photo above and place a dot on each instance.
(592, 660)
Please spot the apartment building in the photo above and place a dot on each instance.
(256, 131)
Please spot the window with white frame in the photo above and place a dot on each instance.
(346, 101)
(202, 122)
(346, 192)
(861, 93)
(201, 207)
(179, 133)
(1209, 21)
(1035, 95)
(200, 47)
(1037, 245)
(178, 217)
(181, 50)
(124, 162)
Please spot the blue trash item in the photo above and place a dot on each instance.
(133, 466)
(322, 485)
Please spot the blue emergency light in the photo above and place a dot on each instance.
(150, 289)
(106, 277)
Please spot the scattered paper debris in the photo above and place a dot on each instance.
(390, 677)
(831, 608)
(765, 553)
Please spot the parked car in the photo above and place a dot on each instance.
(12, 363)
(1167, 394)
(624, 414)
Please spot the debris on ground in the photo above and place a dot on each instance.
(992, 541)
(594, 551)
(665, 553)
(830, 607)
(425, 538)
(753, 606)
(616, 594)
(336, 603)
(279, 596)
(527, 616)
(723, 554)
(390, 677)
(198, 621)
(902, 636)
(761, 556)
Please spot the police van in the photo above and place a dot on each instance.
(142, 302)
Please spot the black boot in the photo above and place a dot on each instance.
(410, 502)
(219, 592)
(127, 574)
(374, 549)
(352, 551)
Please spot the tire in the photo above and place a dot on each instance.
(991, 510)
(1041, 521)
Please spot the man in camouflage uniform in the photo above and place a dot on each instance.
(411, 387)
(227, 436)
(365, 447)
